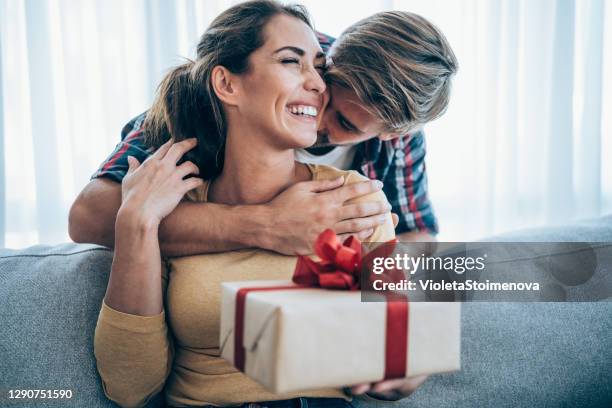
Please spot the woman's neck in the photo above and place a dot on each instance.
(254, 172)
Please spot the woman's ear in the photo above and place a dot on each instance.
(224, 85)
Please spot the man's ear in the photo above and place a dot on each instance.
(388, 136)
(224, 85)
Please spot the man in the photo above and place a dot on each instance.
(388, 75)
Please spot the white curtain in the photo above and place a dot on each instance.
(522, 144)
(526, 137)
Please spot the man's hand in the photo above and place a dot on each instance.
(298, 215)
(390, 390)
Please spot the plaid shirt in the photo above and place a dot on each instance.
(398, 163)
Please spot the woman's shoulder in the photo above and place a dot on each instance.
(324, 172)
(384, 232)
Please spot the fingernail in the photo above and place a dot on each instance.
(382, 219)
(379, 183)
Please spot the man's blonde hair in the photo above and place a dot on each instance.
(400, 66)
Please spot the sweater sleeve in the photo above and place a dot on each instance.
(133, 354)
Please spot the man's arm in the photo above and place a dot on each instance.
(93, 214)
(289, 224)
(191, 228)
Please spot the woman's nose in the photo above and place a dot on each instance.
(315, 83)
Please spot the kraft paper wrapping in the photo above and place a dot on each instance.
(312, 338)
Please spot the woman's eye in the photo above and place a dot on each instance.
(321, 69)
(290, 61)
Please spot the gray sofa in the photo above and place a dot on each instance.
(513, 354)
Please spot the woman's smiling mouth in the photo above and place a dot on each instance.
(304, 112)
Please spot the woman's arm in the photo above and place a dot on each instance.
(133, 353)
(132, 344)
(134, 285)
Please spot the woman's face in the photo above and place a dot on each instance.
(282, 93)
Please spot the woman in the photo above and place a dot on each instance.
(252, 96)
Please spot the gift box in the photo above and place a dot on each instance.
(291, 338)
(295, 336)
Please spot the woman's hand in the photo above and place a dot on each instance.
(390, 390)
(151, 190)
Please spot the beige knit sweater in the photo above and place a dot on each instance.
(178, 349)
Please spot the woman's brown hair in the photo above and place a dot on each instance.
(186, 105)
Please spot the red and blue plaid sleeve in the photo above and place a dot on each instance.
(405, 185)
(132, 144)
(325, 41)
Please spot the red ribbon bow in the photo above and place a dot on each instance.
(338, 268)
(341, 264)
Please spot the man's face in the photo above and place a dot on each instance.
(346, 121)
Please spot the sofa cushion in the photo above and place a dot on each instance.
(526, 355)
(50, 297)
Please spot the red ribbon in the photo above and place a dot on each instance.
(396, 338)
(339, 268)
